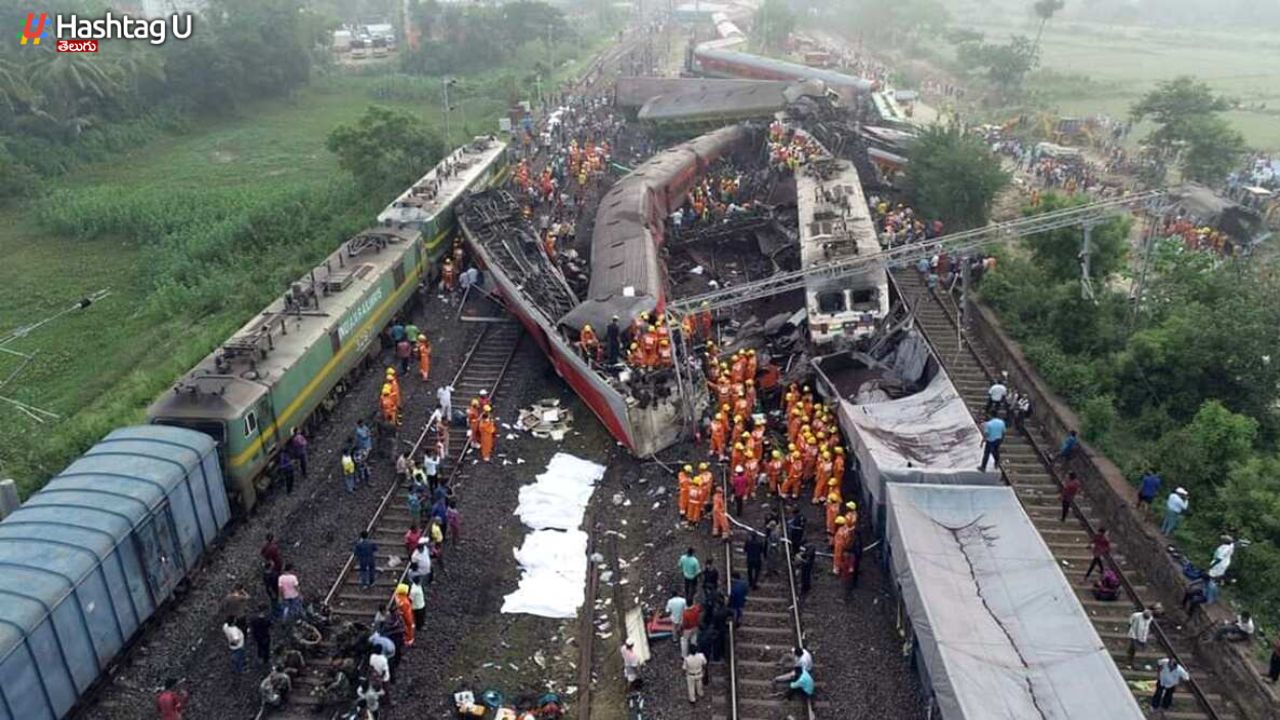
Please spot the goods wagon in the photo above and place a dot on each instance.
(88, 559)
(272, 375)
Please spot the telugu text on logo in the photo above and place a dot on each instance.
(77, 46)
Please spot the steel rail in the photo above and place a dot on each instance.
(1089, 527)
(795, 597)
(728, 587)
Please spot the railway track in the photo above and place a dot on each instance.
(770, 627)
(1037, 484)
(483, 368)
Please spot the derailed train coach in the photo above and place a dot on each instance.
(89, 559)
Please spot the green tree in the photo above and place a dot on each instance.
(1005, 65)
(1201, 453)
(1187, 117)
(1058, 251)
(1045, 10)
(385, 149)
(774, 22)
(953, 176)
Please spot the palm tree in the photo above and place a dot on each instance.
(1045, 9)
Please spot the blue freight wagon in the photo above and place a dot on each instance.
(88, 559)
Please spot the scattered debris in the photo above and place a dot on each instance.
(546, 419)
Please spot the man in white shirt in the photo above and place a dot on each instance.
(1174, 508)
(235, 643)
(1139, 631)
(444, 398)
(378, 666)
(1171, 674)
(695, 665)
(630, 663)
(1222, 558)
(676, 606)
(1239, 631)
(995, 397)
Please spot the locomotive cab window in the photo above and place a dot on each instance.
(250, 423)
(831, 302)
(863, 299)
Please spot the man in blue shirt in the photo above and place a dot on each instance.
(1150, 486)
(1069, 445)
(803, 684)
(366, 552)
(690, 568)
(992, 437)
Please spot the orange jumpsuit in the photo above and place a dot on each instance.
(773, 469)
(683, 498)
(833, 512)
(487, 431)
(718, 430)
(735, 456)
(739, 370)
(649, 349)
(719, 519)
(697, 501)
(406, 611)
(822, 475)
(424, 358)
(837, 466)
(473, 422)
(843, 539)
(395, 391)
(752, 466)
(448, 276)
(795, 471)
(388, 405)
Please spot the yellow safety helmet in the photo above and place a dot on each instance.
(832, 482)
(851, 505)
(422, 337)
(475, 402)
(665, 342)
(635, 345)
(688, 468)
(488, 408)
(391, 372)
(839, 449)
(703, 466)
(719, 416)
(826, 455)
(386, 389)
(402, 589)
(791, 446)
(586, 328)
(749, 454)
(807, 389)
(777, 453)
(840, 520)
(833, 498)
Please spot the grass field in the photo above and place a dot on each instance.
(100, 367)
(1123, 62)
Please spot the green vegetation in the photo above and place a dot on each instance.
(195, 220)
(774, 21)
(385, 148)
(1187, 118)
(953, 175)
(60, 110)
(1005, 65)
(1187, 384)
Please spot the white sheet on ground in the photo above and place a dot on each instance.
(553, 558)
(559, 497)
(1000, 631)
(553, 574)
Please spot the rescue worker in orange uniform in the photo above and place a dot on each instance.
(424, 356)
(697, 499)
(833, 512)
(457, 253)
(388, 405)
(794, 475)
(822, 475)
(473, 420)
(753, 365)
(751, 466)
(665, 357)
(487, 432)
(405, 608)
(735, 455)
(718, 431)
(589, 344)
(649, 347)
(719, 518)
(634, 357)
(685, 478)
(851, 514)
(705, 321)
(395, 386)
(448, 275)
(843, 539)
(773, 471)
(837, 463)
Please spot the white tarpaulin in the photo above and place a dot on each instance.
(926, 437)
(553, 574)
(553, 559)
(559, 497)
(1000, 631)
